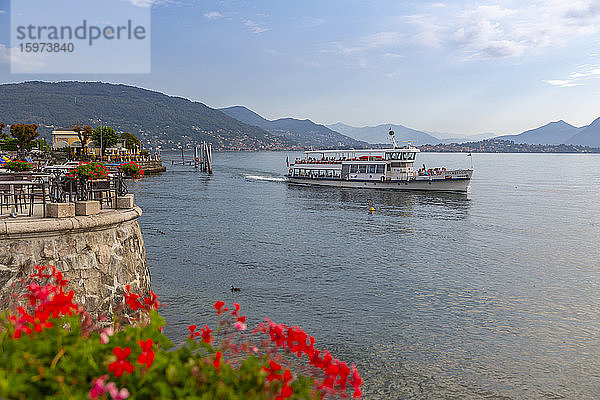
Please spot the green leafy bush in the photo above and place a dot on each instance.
(18, 166)
(89, 170)
(132, 169)
(52, 349)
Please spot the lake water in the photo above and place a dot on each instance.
(493, 294)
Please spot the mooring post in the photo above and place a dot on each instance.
(182, 157)
(202, 156)
(196, 156)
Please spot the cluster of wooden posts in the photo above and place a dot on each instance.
(202, 158)
(205, 159)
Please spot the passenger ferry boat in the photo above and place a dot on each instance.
(375, 168)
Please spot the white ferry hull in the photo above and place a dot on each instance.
(440, 185)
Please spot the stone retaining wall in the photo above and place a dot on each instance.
(151, 166)
(98, 254)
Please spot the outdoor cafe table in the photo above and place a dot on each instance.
(32, 185)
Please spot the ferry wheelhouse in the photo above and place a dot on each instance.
(391, 168)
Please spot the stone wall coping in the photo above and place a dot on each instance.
(24, 228)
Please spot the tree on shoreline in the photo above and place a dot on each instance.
(84, 134)
(105, 138)
(25, 134)
(2, 134)
(131, 141)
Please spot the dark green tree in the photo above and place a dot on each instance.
(105, 138)
(2, 134)
(131, 141)
(25, 134)
(84, 134)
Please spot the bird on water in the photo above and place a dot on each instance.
(235, 289)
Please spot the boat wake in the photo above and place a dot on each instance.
(265, 178)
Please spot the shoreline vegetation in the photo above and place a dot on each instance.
(165, 122)
(483, 146)
(53, 347)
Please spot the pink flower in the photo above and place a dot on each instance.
(115, 393)
(97, 389)
(105, 334)
(240, 326)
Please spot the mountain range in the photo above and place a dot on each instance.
(558, 132)
(168, 121)
(156, 118)
(305, 132)
(379, 133)
(553, 133)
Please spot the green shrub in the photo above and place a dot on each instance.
(132, 169)
(89, 170)
(18, 166)
(52, 349)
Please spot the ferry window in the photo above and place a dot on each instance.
(321, 172)
(337, 173)
(380, 169)
(353, 169)
(296, 171)
(387, 156)
(372, 168)
(329, 173)
(362, 169)
(410, 156)
(403, 156)
(395, 156)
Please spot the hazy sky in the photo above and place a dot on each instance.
(463, 66)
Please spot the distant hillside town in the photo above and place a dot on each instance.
(168, 122)
(506, 146)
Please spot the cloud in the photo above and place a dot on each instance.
(212, 15)
(23, 61)
(393, 55)
(495, 31)
(381, 39)
(273, 51)
(254, 27)
(429, 31)
(577, 78)
(340, 49)
(309, 22)
(393, 74)
(2, 12)
(4, 54)
(590, 72)
(147, 3)
(562, 83)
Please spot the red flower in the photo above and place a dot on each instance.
(121, 365)
(217, 362)
(193, 333)
(272, 369)
(206, 331)
(147, 355)
(356, 381)
(220, 307)
(41, 320)
(132, 299)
